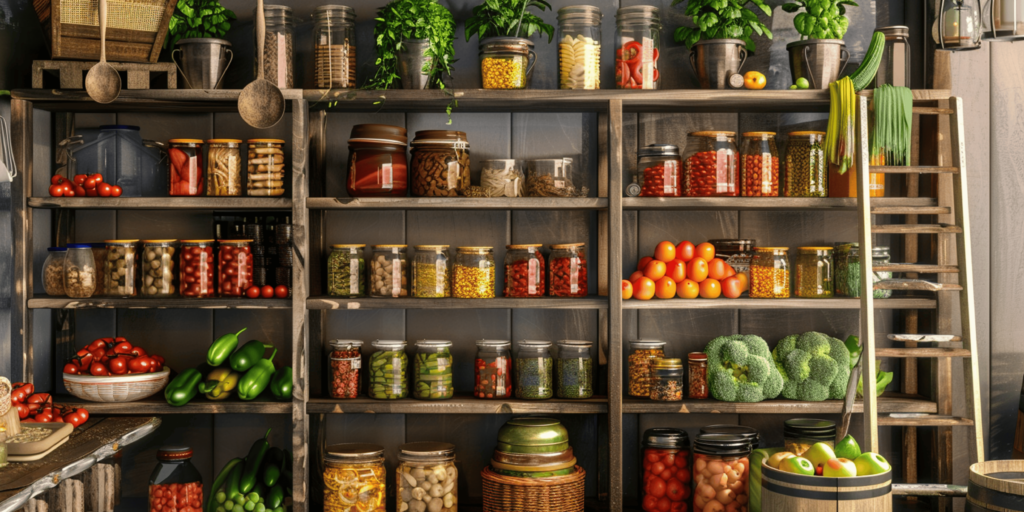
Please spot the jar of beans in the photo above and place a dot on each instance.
(524, 271)
(769, 273)
(265, 168)
(711, 166)
(80, 272)
(666, 380)
(346, 271)
(186, 158)
(813, 278)
(175, 484)
(53, 271)
(389, 271)
(388, 367)
(659, 168)
(568, 270)
(759, 165)
(473, 277)
(224, 167)
(196, 266)
(376, 161)
(432, 370)
(737, 253)
(641, 354)
(344, 365)
(575, 369)
(159, 268)
(535, 372)
(493, 369)
(720, 458)
(806, 167)
(698, 381)
(430, 272)
(121, 269)
(637, 40)
(666, 470)
(234, 267)
(440, 163)
(506, 62)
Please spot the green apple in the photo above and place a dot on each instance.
(798, 465)
(871, 464)
(848, 448)
(819, 454)
(839, 468)
(774, 460)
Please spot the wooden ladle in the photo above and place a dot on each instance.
(261, 103)
(102, 82)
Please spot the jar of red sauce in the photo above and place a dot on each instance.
(196, 267)
(568, 270)
(665, 474)
(186, 157)
(524, 271)
(711, 165)
(234, 267)
(721, 472)
(659, 168)
(376, 161)
(175, 484)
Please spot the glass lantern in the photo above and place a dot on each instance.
(958, 27)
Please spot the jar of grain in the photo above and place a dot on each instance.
(642, 354)
(506, 62)
(266, 168)
(278, 47)
(473, 277)
(440, 163)
(388, 271)
(334, 47)
(224, 168)
(53, 271)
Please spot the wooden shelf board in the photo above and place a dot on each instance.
(161, 203)
(460, 404)
(886, 404)
(765, 203)
(591, 302)
(151, 100)
(456, 203)
(199, 405)
(46, 302)
(791, 303)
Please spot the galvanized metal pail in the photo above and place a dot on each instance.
(715, 60)
(820, 61)
(204, 61)
(412, 58)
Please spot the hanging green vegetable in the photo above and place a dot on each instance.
(840, 141)
(894, 117)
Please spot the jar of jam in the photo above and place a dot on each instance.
(568, 270)
(159, 268)
(493, 369)
(802, 433)
(524, 271)
(737, 253)
(196, 267)
(759, 165)
(659, 167)
(175, 484)
(666, 471)
(120, 271)
(354, 478)
(376, 161)
(440, 163)
(186, 157)
(667, 380)
(813, 278)
(224, 167)
(698, 381)
(641, 356)
(344, 365)
(346, 271)
(711, 167)
(234, 267)
(473, 277)
(265, 168)
(718, 457)
(769, 273)
(430, 272)
(389, 271)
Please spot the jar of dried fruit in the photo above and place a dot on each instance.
(524, 271)
(493, 369)
(53, 271)
(186, 156)
(120, 271)
(769, 273)
(698, 379)
(388, 271)
(473, 277)
(506, 62)
(759, 165)
(813, 278)
(568, 270)
(711, 167)
(224, 167)
(346, 269)
(175, 484)
(159, 268)
(641, 355)
(376, 161)
(358, 466)
(659, 168)
(806, 167)
(265, 168)
(667, 380)
(430, 272)
(344, 364)
(440, 163)
(196, 266)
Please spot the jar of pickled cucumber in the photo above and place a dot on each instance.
(346, 271)
(813, 278)
(159, 268)
(354, 478)
(473, 277)
(769, 273)
(430, 272)
(432, 370)
(121, 269)
(388, 365)
(427, 477)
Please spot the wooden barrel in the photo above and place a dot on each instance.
(996, 485)
(789, 492)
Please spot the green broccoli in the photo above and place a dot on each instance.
(814, 367)
(740, 369)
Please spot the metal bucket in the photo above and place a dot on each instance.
(715, 60)
(411, 60)
(204, 61)
(820, 61)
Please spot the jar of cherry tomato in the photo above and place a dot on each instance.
(493, 369)
(175, 484)
(186, 156)
(659, 168)
(666, 472)
(718, 458)
(759, 165)
(568, 270)
(196, 268)
(234, 267)
(711, 167)
(638, 38)
(524, 271)
(345, 363)
(376, 161)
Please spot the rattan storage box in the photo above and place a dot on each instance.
(135, 28)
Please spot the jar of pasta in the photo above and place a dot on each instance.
(813, 278)
(234, 267)
(769, 273)
(440, 163)
(502, 178)
(568, 270)
(427, 477)
(354, 478)
(196, 266)
(80, 272)
(759, 165)
(524, 271)
(806, 167)
(711, 167)
(473, 277)
(493, 369)
(430, 272)
(346, 271)
(388, 368)
(159, 268)
(535, 375)
(642, 354)
(121, 269)
(579, 47)
(376, 161)
(224, 167)
(389, 271)
(344, 363)
(432, 370)
(265, 168)
(550, 177)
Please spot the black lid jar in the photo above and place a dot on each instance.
(666, 439)
(748, 433)
(802, 433)
(174, 479)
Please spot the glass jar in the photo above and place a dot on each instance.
(506, 62)
(78, 272)
(159, 268)
(710, 165)
(440, 163)
(186, 156)
(748, 434)
(234, 267)
(427, 477)
(802, 433)
(813, 278)
(550, 177)
(659, 167)
(731, 454)
(120, 270)
(388, 365)
(473, 277)
(278, 46)
(431, 272)
(53, 271)
(99, 255)
(524, 271)
(535, 375)
(666, 380)
(579, 47)
(641, 355)
(698, 381)
(737, 253)
(502, 178)
(346, 271)
(344, 365)
(638, 39)
(354, 478)
(493, 369)
(806, 167)
(847, 265)
(389, 271)
(175, 484)
(575, 369)
(769, 273)
(224, 168)
(568, 270)
(432, 368)
(376, 161)
(759, 165)
(334, 47)
(196, 266)
(265, 168)
(667, 450)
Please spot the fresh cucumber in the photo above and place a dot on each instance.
(865, 73)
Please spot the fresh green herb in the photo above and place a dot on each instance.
(822, 19)
(198, 18)
(723, 19)
(507, 18)
(894, 115)
(413, 19)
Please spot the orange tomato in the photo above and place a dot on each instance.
(684, 251)
(688, 289)
(665, 251)
(697, 269)
(627, 290)
(643, 262)
(710, 289)
(636, 275)
(732, 288)
(706, 251)
(744, 281)
(665, 288)
(655, 269)
(643, 288)
(729, 271)
(676, 269)
(716, 269)
(754, 80)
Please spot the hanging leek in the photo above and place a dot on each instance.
(894, 117)
(840, 141)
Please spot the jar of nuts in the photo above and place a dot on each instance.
(440, 163)
(53, 271)
(806, 168)
(710, 165)
(79, 272)
(524, 271)
(568, 270)
(344, 365)
(506, 62)
(234, 267)
(159, 270)
(346, 269)
(196, 267)
(120, 272)
(388, 272)
(759, 165)
(473, 277)
(266, 168)
(550, 178)
(642, 353)
(769, 273)
(430, 272)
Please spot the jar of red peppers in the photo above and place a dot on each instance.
(638, 38)
(659, 168)
(711, 167)
(721, 470)
(345, 362)
(568, 270)
(698, 381)
(234, 267)
(196, 267)
(524, 271)
(186, 156)
(759, 165)
(493, 369)
(175, 484)
(666, 472)
(376, 161)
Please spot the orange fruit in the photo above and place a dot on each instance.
(754, 80)
(665, 251)
(697, 269)
(729, 271)
(688, 289)
(636, 275)
(710, 289)
(685, 251)
(716, 269)
(732, 288)
(665, 288)
(676, 269)
(643, 262)
(627, 290)
(655, 269)
(744, 281)
(643, 288)
(706, 251)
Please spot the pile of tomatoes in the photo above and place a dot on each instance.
(39, 407)
(113, 356)
(666, 481)
(267, 292)
(82, 185)
(685, 271)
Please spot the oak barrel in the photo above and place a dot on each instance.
(788, 492)
(996, 485)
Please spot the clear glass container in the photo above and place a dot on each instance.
(847, 270)
(579, 47)
(666, 461)
(806, 167)
(769, 273)
(376, 161)
(120, 271)
(802, 433)
(334, 47)
(344, 363)
(99, 254)
(502, 178)
(959, 24)
(159, 269)
(524, 271)
(550, 178)
(568, 270)
(667, 380)
(186, 156)
(759, 165)
(473, 277)
(278, 46)
(388, 368)
(79, 272)
(732, 455)
(175, 485)
(493, 369)
(813, 279)
(440, 163)
(389, 271)
(432, 370)
(354, 478)
(698, 378)
(196, 266)
(711, 167)
(642, 354)
(224, 167)
(638, 40)
(575, 369)
(53, 271)
(265, 168)
(535, 374)
(431, 272)
(659, 168)
(234, 267)
(346, 271)
(506, 62)
(427, 477)
(737, 253)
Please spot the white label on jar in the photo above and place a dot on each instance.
(353, 276)
(203, 266)
(670, 176)
(766, 173)
(439, 276)
(499, 380)
(531, 278)
(396, 274)
(722, 171)
(442, 364)
(453, 175)
(385, 177)
(512, 188)
(355, 363)
(647, 63)
(282, 61)
(574, 273)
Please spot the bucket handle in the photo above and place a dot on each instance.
(181, 71)
(844, 57)
(693, 59)
(223, 73)
(743, 57)
(807, 66)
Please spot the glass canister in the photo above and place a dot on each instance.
(666, 466)
(346, 271)
(186, 156)
(389, 271)
(802, 433)
(79, 272)
(847, 265)
(711, 167)
(53, 271)
(159, 268)
(121, 269)
(638, 40)
(506, 62)
(550, 177)
(99, 254)
(427, 477)
(502, 178)
(344, 364)
(278, 46)
(224, 167)
(196, 267)
(737, 253)
(579, 47)
(575, 369)
(806, 167)
(431, 272)
(813, 278)
(759, 165)
(234, 267)
(432, 370)
(493, 369)
(731, 454)
(388, 368)
(265, 168)
(440, 163)
(524, 271)
(642, 354)
(376, 161)
(175, 485)
(769, 273)
(535, 375)
(666, 380)
(698, 379)
(473, 277)
(568, 270)
(354, 478)
(659, 167)
(334, 47)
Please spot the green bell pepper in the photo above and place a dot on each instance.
(256, 379)
(221, 349)
(281, 383)
(247, 356)
(253, 461)
(211, 502)
(286, 472)
(183, 388)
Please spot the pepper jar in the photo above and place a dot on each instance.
(579, 47)
(638, 39)
(524, 271)
(440, 163)
(377, 165)
(667, 450)
(351, 471)
(344, 363)
(759, 165)
(473, 277)
(427, 477)
(430, 272)
(224, 168)
(659, 167)
(769, 273)
(642, 354)
(265, 168)
(388, 271)
(568, 270)
(493, 369)
(710, 164)
(346, 271)
(575, 369)
(186, 176)
(175, 484)
(535, 376)
(432, 370)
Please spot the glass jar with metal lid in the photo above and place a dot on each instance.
(732, 453)
(430, 272)
(278, 46)
(346, 271)
(535, 375)
(186, 158)
(813, 278)
(579, 47)
(266, 168)
(659, 168)
(506, 62)
(175, 484)
(737, 253)
(665, 449)
(120, 271)
(53, 271)
(575, 369)
(667, 380)
(642, 354)
(769, 273)
(638, 40)
(388, 271)
(847, 265)
(802, 433)
(344, 363)
(440, 163)
(698, 380)
(473, 277)
(388, 367)
(334, 47)
(354, 478)
(750, 434)
(196, 267)
(432, 370)
(427, 477)
(568, 270)
(224, 167)
(376, 161)
(711, 165)
(79, 272)
(806, 167)
(524, 271)
(502, 177)
(759, 165)
(493, 369)
(159, 268)
(234, 267)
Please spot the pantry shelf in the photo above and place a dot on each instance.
(46, 302)
(149, 100)
(766, 203)
(456, 203)
(161, 203)
(591, 302)
(887, 403)
(199, 405)
(458, 405)
(792, 303)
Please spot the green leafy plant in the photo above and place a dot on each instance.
(821, 19)
(413, 19)
(508, 18)
(723, 19)
(198, 18)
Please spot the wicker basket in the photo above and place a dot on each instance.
(135, 28)
(516, 494)
(116, 388)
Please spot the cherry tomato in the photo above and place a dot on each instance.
(115, 191)
(643, 288)
(685, 251)
(267, 292)
(710, 289)
(80, 178)
(98, 177)
(90, 183)
(688, 289)
(56, 191)
(665, 288)
(657, 488)
(104, 189)
(627, 289)
(98, 369)
(636, 275)
(697, 269)
(732, 287)
(281, 291)
(119, 365)
(706, 251)
(91, 192)
(79, 191)
(664, 504)
(123, 348)
(68, 191)
(140, 364)
(676, 269)
(57, 179)
(682, 473)
(655, 269)
(674, 490)
(669, 459)
(253, 292)
(72, 368)
(657, 468)
(650, 503)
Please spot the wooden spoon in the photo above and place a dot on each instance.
(261, 103)
(102, 82)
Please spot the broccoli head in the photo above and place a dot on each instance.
(813, 366)
(740, 369)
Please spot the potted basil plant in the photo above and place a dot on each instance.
(720, 41)
(415, 44)
(506, 54)
(820, 55)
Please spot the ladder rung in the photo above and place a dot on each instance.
(915, 229)
(916, 285)
(918, 268)
(922, 352)
(924, 421)
(929, 490)
(911, 210)
(911, 169)
(929, 111)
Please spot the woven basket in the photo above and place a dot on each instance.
(116, 388)
(144, 15)
(135, 28)
(516, 494)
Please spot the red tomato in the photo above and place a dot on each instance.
(657, 486)
(253, 292)
(140, 364)
(744, 281)
(669, 459)
(665, 251)
(281, 291)
(79, 191)
(732, 287)
(683, 474)
(665, 288)
(665, 475)
(104, 189)
(674, 490)
(729, 271)
(123, 347)
(688, 289)
(643, 262)
(57, 179)
(627, 289)
(710, 289)
(706, 251)
(643, 288)
(677, 506)
(664, 504)
(652, 456)
(685, 251)
(71, 368)
(655, 269)
(657, 468)
(697, 269)
(56, 191)
(115, 191)
(91, 192)
(98, 177)
(90, 183)
(119, 365)
(80, 178)
(650, 504)
(98, 369)
(69, 191)
(676, 269)
(267, 292)
(681, 460)
(716, 269)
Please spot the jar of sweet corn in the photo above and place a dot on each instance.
(769, 273)
(506, 62)
(473, 277)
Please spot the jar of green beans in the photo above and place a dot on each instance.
(575, 369)
(535, 376)
(432, 370)
(388, 365)
(346, 271)
(847, 279)
(430, 271)
(806, 167)
(813, 273)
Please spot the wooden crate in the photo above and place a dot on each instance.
(77, 36)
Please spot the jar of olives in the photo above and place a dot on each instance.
(388, 272)
(346, 269)
(427, 477)
(159, 268)
(121, 268)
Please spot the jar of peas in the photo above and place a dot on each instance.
(813, 273)
(432, 370)
(388, 365)
(769, 273)
(473, 277)
(806, 168)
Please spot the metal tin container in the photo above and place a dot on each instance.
(532, 459)
(532, 432)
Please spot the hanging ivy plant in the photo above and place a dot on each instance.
(198, 18)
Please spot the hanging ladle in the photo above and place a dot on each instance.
(102, 82)
(261, 103)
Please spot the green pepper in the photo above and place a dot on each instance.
(221, 349)
(253, 461)
(275, 455)
(256, 379)
(247, 356)
(271, 472)
(281, 383)
(234, 480)
(211, 503)
(275, 497)
(184, 387)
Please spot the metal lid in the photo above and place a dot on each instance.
(535, 343)
(437, 248)
(732, 241)
(771, 249)
(379, 133)
(223, 141)
(667, 363)
(697, 356)
(805, 134)
(749, 433)
(345, 343)
(389, 246)
(351, 452)
(575, 343)
(579, 14)
(426, 450)
(96, 245)
(894, 32)
(451, 137)
(814, 249)
(201, 40)
(658, 150)
(475, 250)
(348, 246)
(121, 242)
(643, 344)
(389, 344)
(532, 459)
(665, 438)
(433, 343)
(234, 242)
(265, 141)
(493, 343)
(344, 12)
(530, 421)
(810, 426)
(127, 126)
(638, 13)
(174, 453)
(78, 246)
(503, 43)
(159, 242)
(57, 249)
(721, 444)
(185, 141)
(567, 246)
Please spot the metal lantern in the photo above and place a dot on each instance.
(895, 66)
(1005, 20)
(959, 25)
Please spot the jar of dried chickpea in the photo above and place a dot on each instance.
(506, 62)
(473, 277)
(642, 353)
(769, 273)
